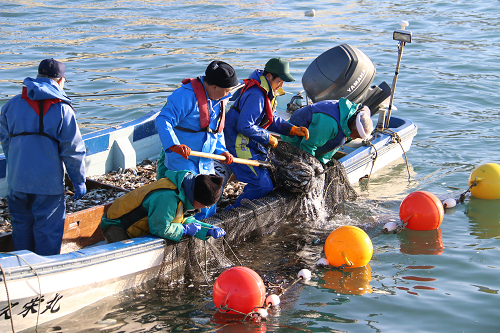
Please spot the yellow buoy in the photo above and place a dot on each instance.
(349, 246)
(487, 177)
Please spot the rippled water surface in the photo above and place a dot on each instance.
(440, 281)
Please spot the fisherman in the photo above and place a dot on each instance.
(249, 121)
(331, 124)
(159, 208)
(193, 118)
(39, 134)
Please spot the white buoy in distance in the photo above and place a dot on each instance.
(304, 274)
(323, 262)
(310, 13)
(273, 299)
(449, 203)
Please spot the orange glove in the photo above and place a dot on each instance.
(273, 141)
(228, 156)
(182, 150)
(300, 131)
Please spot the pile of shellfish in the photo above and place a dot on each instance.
(128, 180)
(131, 178)
(92, 198)
(5, 225)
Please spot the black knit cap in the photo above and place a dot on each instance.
(207, 189)
(221, 74)
(51, 68)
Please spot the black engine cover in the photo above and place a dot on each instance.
(344, 71)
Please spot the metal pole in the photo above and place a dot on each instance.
(393, 88)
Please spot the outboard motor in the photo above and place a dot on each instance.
(345, 71)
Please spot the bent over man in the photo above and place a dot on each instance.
(193, 118)
(39, 134)
(331, 124)
(158, 208)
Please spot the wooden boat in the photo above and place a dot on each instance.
(41, 289)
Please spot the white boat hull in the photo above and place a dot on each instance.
(65, 283)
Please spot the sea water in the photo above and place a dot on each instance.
(440, 281)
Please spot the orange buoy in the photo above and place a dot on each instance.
(348, 245)
(422, 210)
(239, 288)
(487, 177)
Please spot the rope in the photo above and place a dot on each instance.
(39, 286)
(397, 138)
(224, 239)
(113, 94)
(199, 265)
(239, 262)
(282, 290)
(462, 196)
(121, 94)
(8, 300)
(368, 143)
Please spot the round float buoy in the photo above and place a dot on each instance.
(239, 288)
(449, 203)
(422, 210)
(310, 13)
(273, 300)
(487, 177)
(305, 274)
(348, 245)
(323, 262)
(389, 227)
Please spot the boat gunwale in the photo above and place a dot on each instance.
(122, 249)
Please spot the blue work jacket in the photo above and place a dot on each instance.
(182, 110)
(35, 162)
(243, 128)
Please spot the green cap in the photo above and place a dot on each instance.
(279, 66)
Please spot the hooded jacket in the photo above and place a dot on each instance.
(164, 207)
(35, 162)
(327, 122)
(182, 110)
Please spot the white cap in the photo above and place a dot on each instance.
(364, 123)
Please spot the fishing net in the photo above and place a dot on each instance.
(193, 262)
(305, 191)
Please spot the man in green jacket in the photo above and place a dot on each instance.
(331, 124)
(158, 208)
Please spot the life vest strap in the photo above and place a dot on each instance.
(201, 97)
(41, 112)
(266, 121)
(206, 129)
